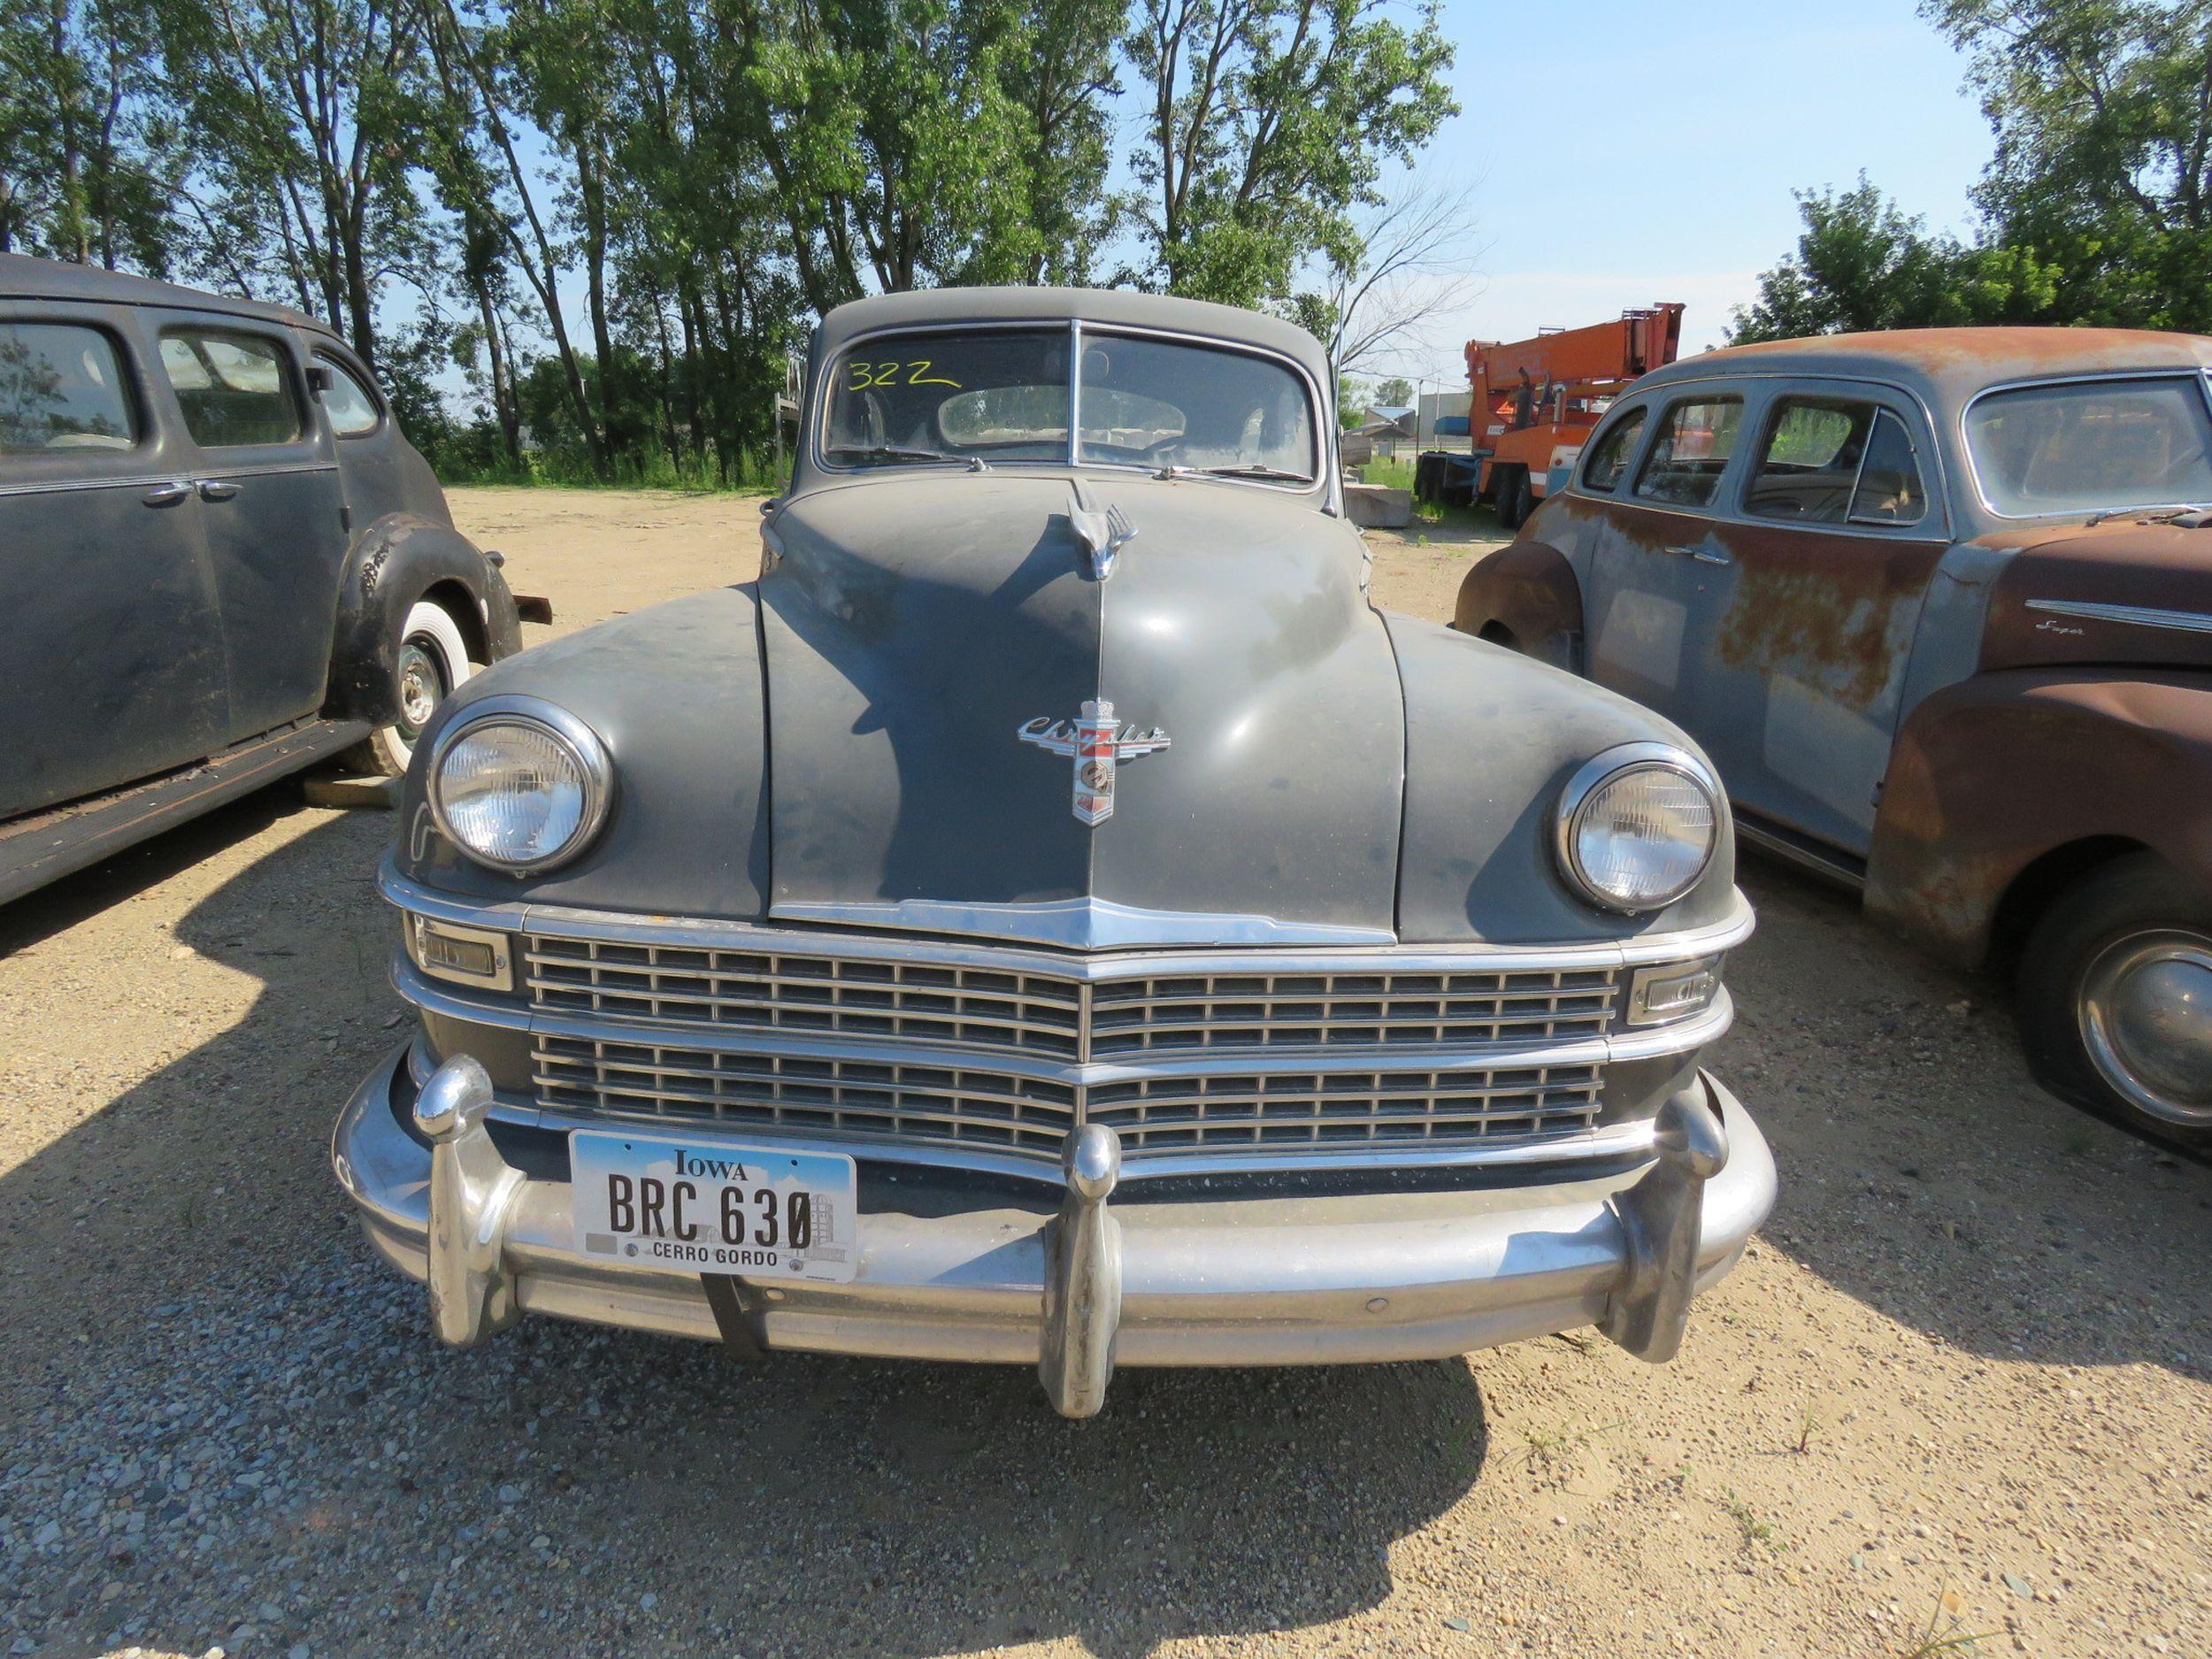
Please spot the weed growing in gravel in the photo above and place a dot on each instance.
(1754, 1527)
(1948, 1638)
(1548, 1448)
(1806, 1427)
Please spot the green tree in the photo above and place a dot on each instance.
(1863, 264)
(87, 147)
(2102, 111)
(1265, 123)
(1394, 394)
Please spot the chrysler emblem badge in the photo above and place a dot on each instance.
(1094, 742)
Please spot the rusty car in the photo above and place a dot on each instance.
(1938, 606)
(1051, 917)
(220, 562)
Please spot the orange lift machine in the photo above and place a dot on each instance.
(1535, 402)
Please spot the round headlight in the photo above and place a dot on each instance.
(519, 785)
(1638, 825)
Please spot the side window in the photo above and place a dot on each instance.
(61, 388)
(350, 405)
(1829, 461)
(232, 388)
(1810, 465)
(1602, 470)
(1696, 437)
(1890, 490)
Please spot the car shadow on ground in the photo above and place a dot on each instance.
(1925, 1173)
(228, 1424)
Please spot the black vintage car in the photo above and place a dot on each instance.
(219, 562)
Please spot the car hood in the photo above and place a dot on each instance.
(912, 627)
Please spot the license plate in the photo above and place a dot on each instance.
(754, 1212)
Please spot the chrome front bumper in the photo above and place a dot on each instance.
(1245, 1280)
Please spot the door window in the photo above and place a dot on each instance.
(1695, 438)
(232, 388)
(1835, 461)
(1610, 458)
(61, 388)
(350, 405)
(1890, 490)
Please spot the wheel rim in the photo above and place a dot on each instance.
(2146, 1011)
(422, 684)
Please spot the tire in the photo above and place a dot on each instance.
(433, 659)
(2115, 1000)
(1513, 499)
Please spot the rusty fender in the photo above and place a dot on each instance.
(1530, 589)
(1990, 774)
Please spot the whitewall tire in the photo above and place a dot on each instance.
(433, 659)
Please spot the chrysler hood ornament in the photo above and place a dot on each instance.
(1091, 740)
(1104, 534)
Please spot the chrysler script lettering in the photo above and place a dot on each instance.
(1093, 740)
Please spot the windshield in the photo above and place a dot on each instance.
(1002, 396)
(2093, 446)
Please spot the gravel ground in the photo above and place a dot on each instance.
(1965, 1376)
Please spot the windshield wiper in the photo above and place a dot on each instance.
(1254, 469)
(880, 453)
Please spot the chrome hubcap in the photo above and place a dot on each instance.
(421, 685)
(2147, 1019)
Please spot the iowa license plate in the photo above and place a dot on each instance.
(654, 1201)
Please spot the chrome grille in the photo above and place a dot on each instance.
(1323, 1108)
(1010, 1057)
(947, 1105)
(1042, 1014)
(1329, 1009)
(845, 996)
(958, 1106)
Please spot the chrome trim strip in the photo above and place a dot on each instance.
(1089, 923)
(1645, 1042)
(2138, 616)
(408, 895)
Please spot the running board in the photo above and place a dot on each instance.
(1814, 857)
(42, 846)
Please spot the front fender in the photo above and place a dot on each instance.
(1990, 773)
(1528, 590)
(1491, 741)
(394, 561)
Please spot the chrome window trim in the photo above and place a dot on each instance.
(519, 917)
(2201, 374)
(1322, 410)
(2138, 616)
(1762, 382)
(517, 709)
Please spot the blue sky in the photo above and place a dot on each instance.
(1628, 153)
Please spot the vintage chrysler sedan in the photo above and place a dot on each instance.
(1938, 602)
(1050, 917)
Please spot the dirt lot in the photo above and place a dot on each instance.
(1965, 1376)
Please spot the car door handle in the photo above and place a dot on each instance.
(1702, 555)
(217, 490)
(167, 495)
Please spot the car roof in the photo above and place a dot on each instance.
(1109, 306)
(1948, 366)
(24, 277)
